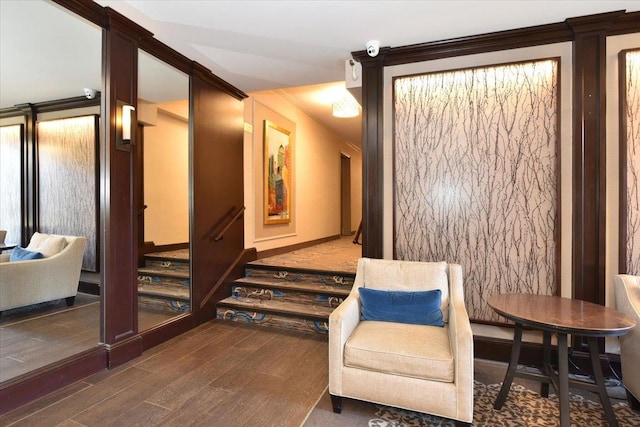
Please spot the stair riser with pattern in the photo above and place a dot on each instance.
(294, 299)
(163, 284)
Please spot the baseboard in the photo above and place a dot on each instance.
(21, 390)
(89, 288)
(284, 249)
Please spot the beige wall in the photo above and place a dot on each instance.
(316, 202)
(166, 179)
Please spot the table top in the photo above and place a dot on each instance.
(4, 246)
(558, 314)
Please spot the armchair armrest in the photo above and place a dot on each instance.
(461, 338)
(342, 321)
(5, 257)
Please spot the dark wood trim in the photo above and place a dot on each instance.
(166, 54)
(589, 156)
(124, 350)
(285, 249)
(35, 384)
(625, 24)
(207, 76)
(234, 271)
(373, 154)
(622, 126)
(117, 22)
(89, 288)
(482, 43)
(168, 329)
(117, 202)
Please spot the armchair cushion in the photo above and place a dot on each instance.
(415, 351)
(20, 254)
(47, 244)
(414, 307)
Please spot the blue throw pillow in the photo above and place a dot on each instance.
(414, 307)
(20, 254)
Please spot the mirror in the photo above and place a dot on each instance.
(162, 149)
(46, 54)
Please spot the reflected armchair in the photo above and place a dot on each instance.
(627, 290)
(50, 278)
(412, 366)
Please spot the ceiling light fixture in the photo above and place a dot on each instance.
(346, 106)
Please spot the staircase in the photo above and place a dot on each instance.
(163, 283)
(285, 297)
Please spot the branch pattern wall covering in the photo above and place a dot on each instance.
(10, 179)
(67, 181)
(476, 176)
(633, 161)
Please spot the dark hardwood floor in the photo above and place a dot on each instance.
(218, 374)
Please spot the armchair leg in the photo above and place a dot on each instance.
(462, 424)
(336, 401)
(70, 301)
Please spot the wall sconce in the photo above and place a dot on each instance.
(346, 106)
(125, 130)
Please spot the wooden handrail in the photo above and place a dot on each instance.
(220, 235)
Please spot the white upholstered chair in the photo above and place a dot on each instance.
(53, 277)
(627, 290)
(417, 367)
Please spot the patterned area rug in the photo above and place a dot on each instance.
(523, 408)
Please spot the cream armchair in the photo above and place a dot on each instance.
(422, 368)
(627, 290)
(29, 282)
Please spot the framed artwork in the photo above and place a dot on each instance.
(278, 167)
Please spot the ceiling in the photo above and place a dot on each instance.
(292, 47)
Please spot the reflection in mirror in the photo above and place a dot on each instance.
(47, 54)
(164, 289)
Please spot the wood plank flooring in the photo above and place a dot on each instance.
(218, 374)
(35, 342)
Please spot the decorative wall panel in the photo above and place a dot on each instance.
(632, 125)
(476, 172)
(11, 140)
(67, 181)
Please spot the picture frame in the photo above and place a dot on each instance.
(278, 171)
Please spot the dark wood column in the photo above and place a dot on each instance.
(589, 154)
(118, 216)
(589, 159)
(29, 214)
(372, 152)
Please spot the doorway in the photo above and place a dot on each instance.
(345, 195)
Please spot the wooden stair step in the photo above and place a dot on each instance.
(277, 307)
(312, 288)
(168, 256)
(164, 293)
(143, 271)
